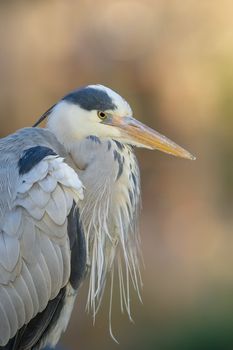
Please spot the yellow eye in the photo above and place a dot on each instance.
(102, 115)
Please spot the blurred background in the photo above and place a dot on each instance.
(173, 61)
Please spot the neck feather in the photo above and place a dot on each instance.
(109, 211)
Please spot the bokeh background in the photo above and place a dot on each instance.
(173, 61)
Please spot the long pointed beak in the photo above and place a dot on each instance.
(143, 136)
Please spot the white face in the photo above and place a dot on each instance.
(71, 123)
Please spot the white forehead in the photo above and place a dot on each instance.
(123, 108)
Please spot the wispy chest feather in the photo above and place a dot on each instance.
(109, 216)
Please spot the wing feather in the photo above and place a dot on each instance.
(28, 273)
(46, 274)
(48, 250)
(38, 196)
(18, 304)
(12, 221)
(40, 286)
(56, 207)
(66, 260)
(37, 173)
(5, 325)
(9, 251)
(10, 309)
(28, 246)
(48, 184)
(34, 243)
(23, 288)
(31, 207)
(54, 231)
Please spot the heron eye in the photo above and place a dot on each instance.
(102, 115)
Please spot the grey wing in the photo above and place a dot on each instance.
(34, 244)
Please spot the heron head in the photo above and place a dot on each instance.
(99, 111)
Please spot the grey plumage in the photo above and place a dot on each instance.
(35, 187)
(70, 196)
(34, 247)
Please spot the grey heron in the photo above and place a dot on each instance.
(68, 209)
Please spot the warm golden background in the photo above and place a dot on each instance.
(173, 61)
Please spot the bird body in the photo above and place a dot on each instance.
(36, 198)
(69, 203)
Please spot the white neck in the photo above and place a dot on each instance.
(61, 122)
